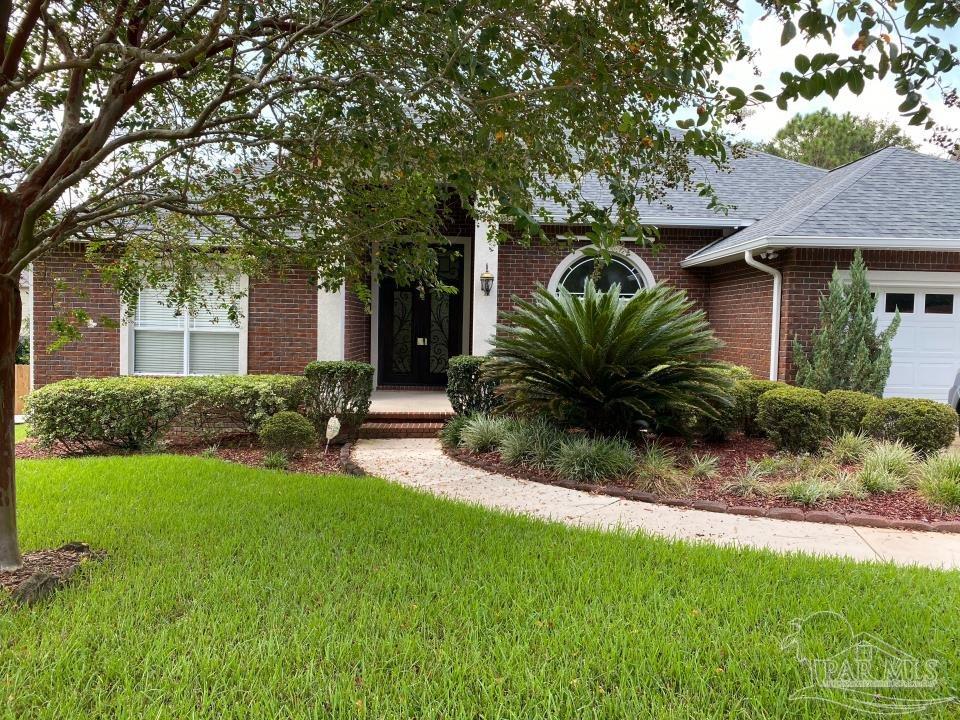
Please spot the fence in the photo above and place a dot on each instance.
(23, 387)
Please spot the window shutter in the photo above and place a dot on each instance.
(214, 353)
(157, 352)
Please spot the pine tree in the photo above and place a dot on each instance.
(846, 351)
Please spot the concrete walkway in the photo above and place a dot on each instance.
(421, 464)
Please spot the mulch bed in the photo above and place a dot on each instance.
(59, 564)
(905, 508)
(242, 450)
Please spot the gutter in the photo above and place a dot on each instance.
(775, 324)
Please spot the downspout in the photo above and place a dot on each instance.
(775, 324)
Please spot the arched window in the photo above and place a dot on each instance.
(626, 269)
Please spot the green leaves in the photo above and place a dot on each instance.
(600, 362)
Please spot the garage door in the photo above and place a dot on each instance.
(926, 349)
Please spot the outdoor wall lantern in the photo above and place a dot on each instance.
(486, 281)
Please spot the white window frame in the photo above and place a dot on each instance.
(627, 256)
(128, 336)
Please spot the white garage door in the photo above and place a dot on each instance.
(926, 349)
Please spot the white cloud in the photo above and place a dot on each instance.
(878, 100)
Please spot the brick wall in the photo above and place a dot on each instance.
(739, 307)
(521, 268)
(63, 280)
(282, 323)
(282, 320)
(356, 333)
(806, 275)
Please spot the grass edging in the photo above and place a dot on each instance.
(776, 513)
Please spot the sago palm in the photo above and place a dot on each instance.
(610, 365)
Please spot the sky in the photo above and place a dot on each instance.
(879, 100)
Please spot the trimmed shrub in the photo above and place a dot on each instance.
(925, 425)
(133, 413)
(593, 460)
(746, 396)
(450, 432)
(727, 419)
(240, 403)
(610, 365)
(127, 413)
(288, 432)
(482, 433)
(796, 419)
(341, 389)
(847, 408)
(468, 389)
(940, 480)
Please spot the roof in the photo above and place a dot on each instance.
(755, 185)
(893, 198)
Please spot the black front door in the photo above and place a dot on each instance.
(420, 328)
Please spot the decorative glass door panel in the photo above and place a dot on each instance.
(421, 328)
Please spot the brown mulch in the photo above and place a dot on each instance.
(60, 563)
(732, 456)
(239, 449)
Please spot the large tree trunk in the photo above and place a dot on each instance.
(9, 337)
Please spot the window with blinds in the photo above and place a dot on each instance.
(165, 343)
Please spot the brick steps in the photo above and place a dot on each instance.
(402, 429)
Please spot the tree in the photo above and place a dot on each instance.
(846, 351)
(180, 137)
(827, 140)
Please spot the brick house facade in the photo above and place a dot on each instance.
(730, 267)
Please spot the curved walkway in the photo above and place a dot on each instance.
(421, 464)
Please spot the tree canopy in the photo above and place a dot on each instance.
(828, 140)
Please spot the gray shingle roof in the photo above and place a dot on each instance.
(890, 195)
(753, 187)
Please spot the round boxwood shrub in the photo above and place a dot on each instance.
(796, 419)
(746, 394)
(287, 432)
(847, 408)
(926, 425)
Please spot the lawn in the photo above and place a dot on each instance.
(235, 592)
(20, 431)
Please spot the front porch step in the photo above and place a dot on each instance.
(409, 416)
(399, 429)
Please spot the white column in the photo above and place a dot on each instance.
(485, 253)
(331, 323)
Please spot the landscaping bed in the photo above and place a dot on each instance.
(244, 450)
(46, 571)
(741, 475)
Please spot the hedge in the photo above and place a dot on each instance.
(133, 413)
(469, 392)
(747, 394)
(847, 408)
(796, 419)
(926, 425)
(340, 389)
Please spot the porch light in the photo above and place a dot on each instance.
(486, 281)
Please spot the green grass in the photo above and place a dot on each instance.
(20, 432)
(234, 592)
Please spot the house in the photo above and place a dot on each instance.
(758, 272)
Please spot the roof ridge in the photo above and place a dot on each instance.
(869, 162)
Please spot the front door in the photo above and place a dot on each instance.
(421, 329)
